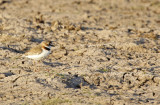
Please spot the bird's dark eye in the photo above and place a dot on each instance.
(50, 43)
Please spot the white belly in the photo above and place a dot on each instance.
(40, 56)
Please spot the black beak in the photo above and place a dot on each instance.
(51, 44)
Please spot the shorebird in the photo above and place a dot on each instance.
(40, 51)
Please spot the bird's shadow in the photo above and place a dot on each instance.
(9, 47)
(13, 50)
(33, 39)
(90, 28)
(53, 64)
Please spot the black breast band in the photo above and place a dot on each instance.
(46, 48)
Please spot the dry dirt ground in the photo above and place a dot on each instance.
(107, 52)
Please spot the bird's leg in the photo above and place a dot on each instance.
(39, 65)
(34, 65)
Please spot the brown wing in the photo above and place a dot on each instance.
(34, 51)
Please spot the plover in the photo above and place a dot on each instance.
(40, 51)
